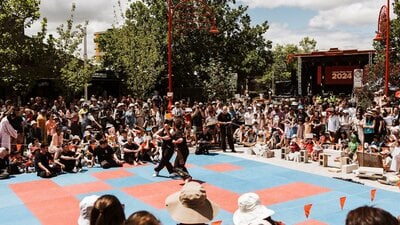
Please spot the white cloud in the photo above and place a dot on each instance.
(281, 34)
(356, 14)
(101, 14)
(304, 4)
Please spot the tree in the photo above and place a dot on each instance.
(19, 54)
(75, 71)
(283, 66)
(138, 48)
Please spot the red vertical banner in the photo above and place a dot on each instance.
(342, 202)
(319, 75)
(373, 192)
(307, 210)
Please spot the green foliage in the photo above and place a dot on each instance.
(134, 49)
(221, 83)
(283, 65)
(75, 72)
(138, 49)
(18, 54)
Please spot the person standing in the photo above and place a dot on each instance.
(7, 132)
(224, 120)
(167, 149)
(182, 152)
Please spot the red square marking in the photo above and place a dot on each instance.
(111, 174)
(60, 211)
(154, 194)
(311, 222)
(227, 200)
(289, 192)
(86, 188)
(35, 191)
(222, 167)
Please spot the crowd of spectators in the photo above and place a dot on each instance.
(50, 137)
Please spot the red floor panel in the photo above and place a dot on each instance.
(226, 199)
(311, 222)
(111, 174)
(60, 211)
(289, 192)
(38, 191)
(222, 167)
(154, 194)
(86, 188)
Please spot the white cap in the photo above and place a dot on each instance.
(85, 208)
(250, 210)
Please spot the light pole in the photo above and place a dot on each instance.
(384, 32)
(193, 15)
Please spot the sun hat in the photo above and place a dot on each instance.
(250, 210)
(85, 208)
(190, 205)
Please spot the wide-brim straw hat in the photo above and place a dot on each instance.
(190, 205)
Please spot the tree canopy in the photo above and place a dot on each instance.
(138, 49)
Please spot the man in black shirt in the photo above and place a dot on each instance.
(131, 152)
(224, 120)
(42, 162)
(106, 155)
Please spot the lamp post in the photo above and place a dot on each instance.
(192, 15)
(384, 33)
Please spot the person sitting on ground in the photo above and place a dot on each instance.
(69, 159)
(294, 150)
(142, 217)
(107, 210)
(368, 215)
(238, 135)
(190, 205)
(353, 147)
(106, 156)
(132, 152)
(204, 142)
(251, 211)
(42, 162)
(250, 137)
(386, 159)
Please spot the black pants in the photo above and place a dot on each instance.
(226, 133)
(105, 164)
(165, 160)
(181, 157)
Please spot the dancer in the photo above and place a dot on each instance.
(182, 152)
(167, 149)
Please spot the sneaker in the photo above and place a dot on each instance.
(173, 174)
(155, 174)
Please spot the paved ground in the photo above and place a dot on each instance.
(283, 186)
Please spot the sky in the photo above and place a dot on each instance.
(343, 24)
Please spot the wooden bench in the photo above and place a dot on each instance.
(369, 159)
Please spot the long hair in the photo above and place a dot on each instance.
(107, 210)
(142, 218)
(367, 215)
